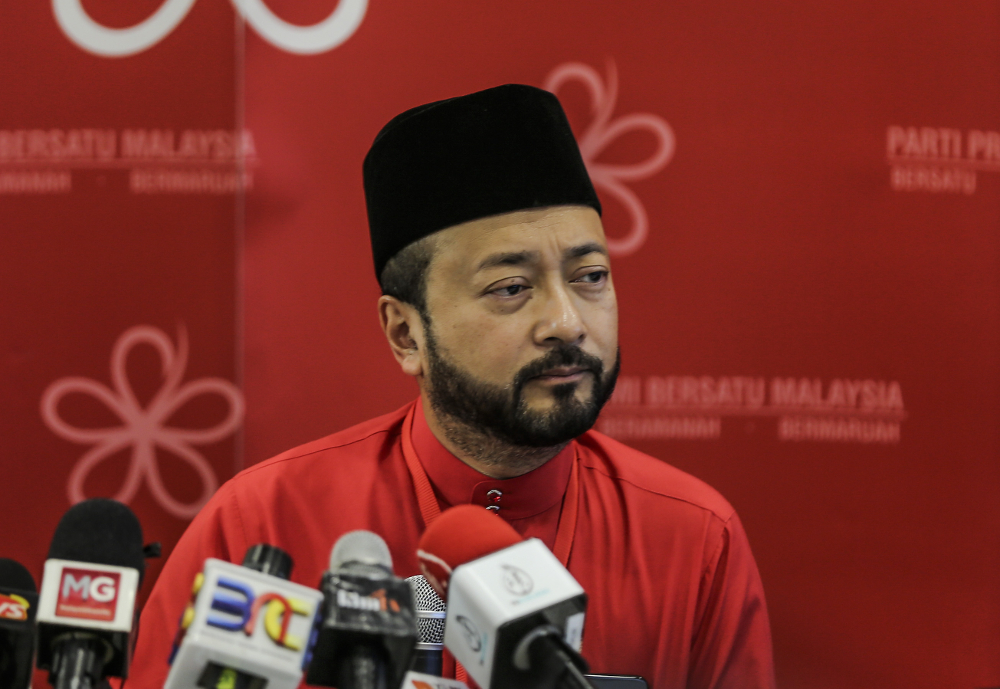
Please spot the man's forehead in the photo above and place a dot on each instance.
(565, 229)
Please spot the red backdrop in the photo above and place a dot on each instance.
(804, 203)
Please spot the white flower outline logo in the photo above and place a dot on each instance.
(101, 40)
(144, 428)
(601, 132)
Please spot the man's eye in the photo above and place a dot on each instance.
(593, 278)
(510, 290)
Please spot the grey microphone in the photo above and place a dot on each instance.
(431, 612)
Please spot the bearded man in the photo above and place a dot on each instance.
(498, 300)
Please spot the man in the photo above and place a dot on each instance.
(498, 299)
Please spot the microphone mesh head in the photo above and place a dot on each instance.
(425, 599)
(430, 610)
(360, 547)
(14, 575)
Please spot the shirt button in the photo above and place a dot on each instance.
(493, 497)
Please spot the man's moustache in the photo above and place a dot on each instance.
(560, 357)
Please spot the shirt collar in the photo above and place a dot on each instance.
(459, 484)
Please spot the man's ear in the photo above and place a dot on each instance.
(404, 330)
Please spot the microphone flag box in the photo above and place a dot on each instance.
(418, 680)
(88, 595)
(244, 621)
(494, 601)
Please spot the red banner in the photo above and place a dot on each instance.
(121, 196)
(802, 205)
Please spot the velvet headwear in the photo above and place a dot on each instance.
(504, 149)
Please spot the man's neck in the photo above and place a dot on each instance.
(483, 452)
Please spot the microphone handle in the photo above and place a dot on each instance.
(427, 661)
(78, 662)
(14, 672)
(363, 668)
(573, 678)
(547, 645)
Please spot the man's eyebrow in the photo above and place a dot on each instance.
(583, 250)
(507, 258)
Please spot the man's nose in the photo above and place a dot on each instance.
(559, 320)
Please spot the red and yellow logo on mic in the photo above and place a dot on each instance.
(241, 611)
(13, 607)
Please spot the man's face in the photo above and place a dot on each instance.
(522, 341)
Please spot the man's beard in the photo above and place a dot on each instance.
(500, 411)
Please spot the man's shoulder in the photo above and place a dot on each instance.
(654, 477)
(362, 442)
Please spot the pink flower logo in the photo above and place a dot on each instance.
(144, 429)
(609, 177)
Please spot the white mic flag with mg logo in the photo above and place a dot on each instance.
(91, 595)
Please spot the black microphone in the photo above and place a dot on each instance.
(86, 609)
(369, 628)
(18, 605)
(431, 611)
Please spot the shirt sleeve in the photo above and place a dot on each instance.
(218, 531)
(731, 648)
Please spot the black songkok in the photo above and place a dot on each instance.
(504, 149)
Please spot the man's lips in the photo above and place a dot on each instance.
(562, 374)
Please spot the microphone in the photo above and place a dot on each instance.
(427, 658)
(369, 627)
(246, 626)
(86, 608)
(18, 605)
(515, 614)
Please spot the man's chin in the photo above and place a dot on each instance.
(556, 424)
(571, 402)
(543, 396)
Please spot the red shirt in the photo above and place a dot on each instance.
(674, 593)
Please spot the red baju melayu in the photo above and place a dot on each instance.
(674, 593)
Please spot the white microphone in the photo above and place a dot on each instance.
(515, 614)
(246, 627)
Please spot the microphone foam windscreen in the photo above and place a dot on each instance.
(360, 547)
(461, 534)
(101, 531)
(14, 575)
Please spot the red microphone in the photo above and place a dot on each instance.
(461, 534)
(515, 614)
